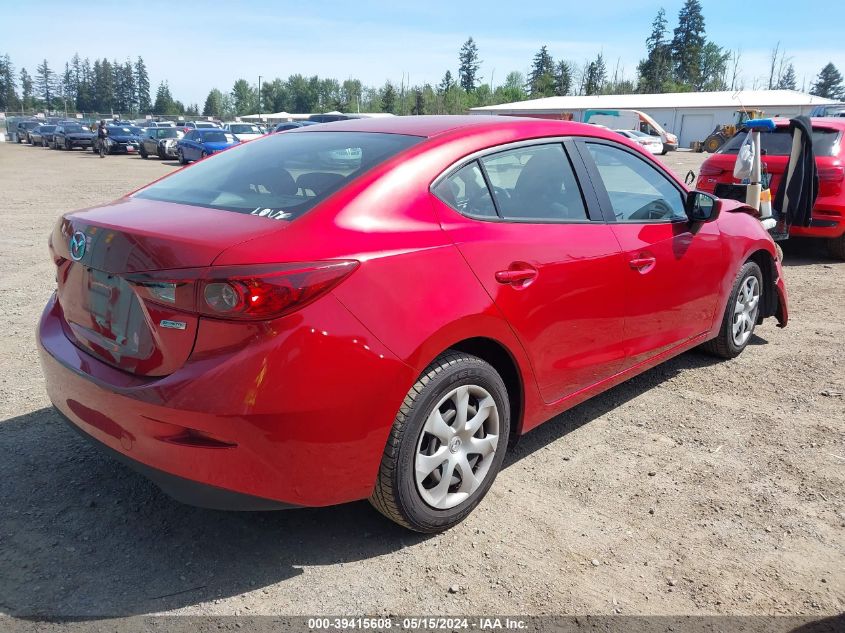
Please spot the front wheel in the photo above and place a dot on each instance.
(740, 314)
(446, 446)
(143, 152)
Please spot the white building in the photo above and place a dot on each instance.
(689, 115)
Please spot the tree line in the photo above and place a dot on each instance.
(683, 59)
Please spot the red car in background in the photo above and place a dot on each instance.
(374, 308)
(828, 216)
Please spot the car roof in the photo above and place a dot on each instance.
(817, 121)
(435, 125)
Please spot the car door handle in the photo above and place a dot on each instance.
(516, 277)
(642, 264)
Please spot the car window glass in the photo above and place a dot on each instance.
(466, 191)
(535, 183)
(638, 192)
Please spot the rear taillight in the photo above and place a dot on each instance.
(710, 170)
(242, 292)
(830, 180)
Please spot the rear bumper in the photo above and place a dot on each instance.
(296, 413)
(824, 224)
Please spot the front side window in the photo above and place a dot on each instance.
(638, 192)
(280, 176)
(535, 183)
(466, 191)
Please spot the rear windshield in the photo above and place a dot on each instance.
(280, 176)
(218, 137)
(779, 142)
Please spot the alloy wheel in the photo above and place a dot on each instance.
(745, 310)
(456, 447)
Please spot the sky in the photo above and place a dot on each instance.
(197, 46)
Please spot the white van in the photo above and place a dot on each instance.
(632, 120)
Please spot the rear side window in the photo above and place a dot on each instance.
(779, 142)
(466, 191)
(535, 183)
(280, 176)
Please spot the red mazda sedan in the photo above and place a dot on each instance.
(828, 216)
(374, 309)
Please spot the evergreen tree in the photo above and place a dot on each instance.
(469, 65)
(388, 98)
(447, 82)
(512, 90)
(541, 79)
(829, 83)
(192, 110)
(213, 104)
(164, 103)
(596, 76)
(85, 96)
(656, 69)
(8, 88)
(419, 103)
(44, 82)
(104, 86)
(142, 85)
(788, 81)
(563, 78)
(688, 43)
(27, 101)
(351, 91)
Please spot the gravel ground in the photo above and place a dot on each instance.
(700, 487)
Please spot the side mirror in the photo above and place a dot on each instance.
(702, 207)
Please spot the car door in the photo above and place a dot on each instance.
(675, 268)
(190, 146)
(554, 270)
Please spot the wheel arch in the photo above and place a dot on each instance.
(500, 358)
(764, 259)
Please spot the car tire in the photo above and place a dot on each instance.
(181, 157)
(452, 381)
(836, 246)
(68, 146)
(740, 316)
(143, 152)
(43, 143)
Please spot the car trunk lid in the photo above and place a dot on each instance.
(100, 251)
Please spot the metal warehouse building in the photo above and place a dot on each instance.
(689, 115)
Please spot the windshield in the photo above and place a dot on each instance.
(201, 124)
(30, 125)
(218, 137)
(74, 128)
(779, 142)
(169, 132)
(120, 131)
(47, 128)
(280, 176)
(244, 129)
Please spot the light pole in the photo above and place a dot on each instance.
(259, 97)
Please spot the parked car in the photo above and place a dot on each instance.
(187, 126)
(465, 280)
(22, 130)
(828, 215)
(68, 136)
(41, 135)
(292, 125)
(197, 144)
(833, 109)
(651, 144)
(245, 131)
(122, 139)
(160, 142)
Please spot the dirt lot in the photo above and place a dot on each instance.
(700, 487)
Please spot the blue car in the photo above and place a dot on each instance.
(199, 143)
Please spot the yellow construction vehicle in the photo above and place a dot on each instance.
(720, 135)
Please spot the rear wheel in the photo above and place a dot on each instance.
(740, 314)
(143, 152)
(836, 246)
(181, 157)
(446, 446)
